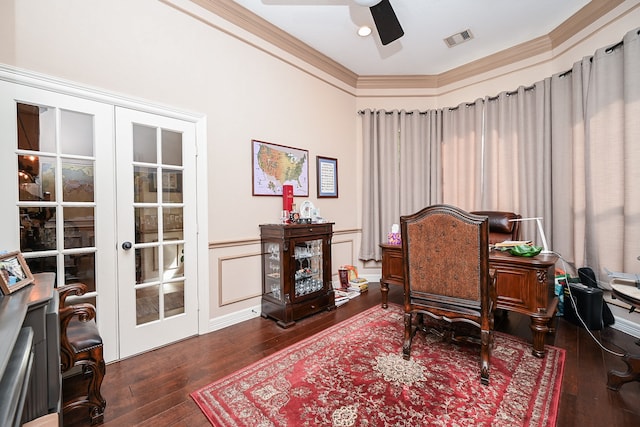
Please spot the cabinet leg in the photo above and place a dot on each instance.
(285, 325)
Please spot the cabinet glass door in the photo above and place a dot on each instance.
(308, 267)
(271, 263)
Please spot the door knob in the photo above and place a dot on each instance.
(126, 246)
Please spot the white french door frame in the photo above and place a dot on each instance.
(16, 79)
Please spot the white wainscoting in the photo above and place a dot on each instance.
(233, 318)
(237, 278)
(236, 281)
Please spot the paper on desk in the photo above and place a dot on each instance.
(512, 243)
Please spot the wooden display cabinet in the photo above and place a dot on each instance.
(296, 271)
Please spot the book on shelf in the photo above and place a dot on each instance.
(341, 301)
(358, 285)
(339, 293)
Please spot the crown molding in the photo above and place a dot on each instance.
(398, 82)
(586, 16)
(247, 20)
(503, 58)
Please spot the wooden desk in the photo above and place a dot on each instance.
(524, 285)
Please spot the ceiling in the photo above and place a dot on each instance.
(330, 27)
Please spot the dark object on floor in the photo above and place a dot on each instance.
(588, 277)
(585, 302)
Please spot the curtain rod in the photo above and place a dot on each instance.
(607, 50)
(361, 112)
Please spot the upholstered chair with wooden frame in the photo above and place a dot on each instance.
(501, 225)
(81, 346)
(447, 278)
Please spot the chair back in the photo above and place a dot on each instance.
(446, 252)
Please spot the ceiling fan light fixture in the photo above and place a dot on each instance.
(367, 3)
(364, 31)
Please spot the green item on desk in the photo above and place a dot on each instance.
(525, 250)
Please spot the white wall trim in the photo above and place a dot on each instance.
(233, 318)
(626, 326)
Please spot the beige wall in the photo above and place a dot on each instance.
(247, 89)
(146, 49)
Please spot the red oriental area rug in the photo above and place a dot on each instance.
(353, 374)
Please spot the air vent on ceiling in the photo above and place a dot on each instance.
(458, 38)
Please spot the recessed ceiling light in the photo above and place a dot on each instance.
(364, 31)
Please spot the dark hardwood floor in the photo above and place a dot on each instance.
(153, 389)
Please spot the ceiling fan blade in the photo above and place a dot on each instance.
(386, 21)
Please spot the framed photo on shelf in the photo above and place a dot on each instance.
(327, 169)
(276, 165)
(14, 272)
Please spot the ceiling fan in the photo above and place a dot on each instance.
(385, 18)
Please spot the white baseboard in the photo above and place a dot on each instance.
(626, 326)
(251, 312)
(233, 318)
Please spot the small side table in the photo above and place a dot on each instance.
(630, 294)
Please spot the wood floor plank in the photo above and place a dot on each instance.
(152, 389)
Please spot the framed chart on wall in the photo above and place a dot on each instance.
(327, 169)
(14, 272)
(275, 165)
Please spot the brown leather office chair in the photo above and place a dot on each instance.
(81, 345)
(501, 227)
(447, 277)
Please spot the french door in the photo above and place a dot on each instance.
(57, 167)
(157, 255)
(104, 195)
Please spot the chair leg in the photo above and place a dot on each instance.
(94, 396)
(94, 369)
(485, 354)
(408, 336)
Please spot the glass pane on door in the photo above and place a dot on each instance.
(55, 157)
(158, 217)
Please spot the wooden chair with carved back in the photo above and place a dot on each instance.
(81, 346)
(447, 278)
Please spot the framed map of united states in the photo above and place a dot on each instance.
(276, 165)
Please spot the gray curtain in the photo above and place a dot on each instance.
(401, 171)
(420, 160)
(462, 155)
(569, 176)
(566, 149)
(517, 168)
(597, 150)
(380, 197)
